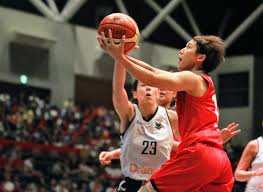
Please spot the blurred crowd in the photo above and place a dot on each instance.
(47, 148)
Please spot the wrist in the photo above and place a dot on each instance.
(119, 57)
(252, 173)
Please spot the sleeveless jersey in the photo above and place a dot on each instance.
(254, 182)
(198, 117)
(146, 145)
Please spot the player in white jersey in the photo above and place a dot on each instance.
(146, 129)
(250, 166)
(166, 99)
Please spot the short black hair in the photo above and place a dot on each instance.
(134, 85)
(213, 48)
(134, 88)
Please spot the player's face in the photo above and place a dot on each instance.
(165, 98)
(187, 57)
(146, 94)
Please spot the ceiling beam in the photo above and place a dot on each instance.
(191, 19)
(52, 5)
(121, 6)
(244, 25)
(171, 22)
(71, 7)
(223, 24)
(147, 31)
(44, 9)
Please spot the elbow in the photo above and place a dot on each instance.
(114, 97)
(236, 176)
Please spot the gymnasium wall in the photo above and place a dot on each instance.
(39, 32)
(239, 114)
(71, 50)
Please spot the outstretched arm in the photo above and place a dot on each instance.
(122, 105)
(183, 81)
(106, 157)
(242, 172)
(144, 65)
(120, 99)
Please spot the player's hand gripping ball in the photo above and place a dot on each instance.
(120, 24)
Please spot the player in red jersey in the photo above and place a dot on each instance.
(200, 163)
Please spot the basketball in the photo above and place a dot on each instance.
(120, 24)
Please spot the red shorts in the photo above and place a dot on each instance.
(197, 168)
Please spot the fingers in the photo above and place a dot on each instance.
(236, 132)
(101, 43)
(106, 42)
(259, 172)
(104, 39)
(105, 162)
(102, 155)
(104, 158)
(232, 126)
(123, 39)
(110, 37)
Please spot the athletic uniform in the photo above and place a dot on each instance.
(254, 182)
(200, 163)
(146, 145)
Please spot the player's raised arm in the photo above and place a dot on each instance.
(182, 81)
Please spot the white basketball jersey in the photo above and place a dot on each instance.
(254, 182)
(146, 145)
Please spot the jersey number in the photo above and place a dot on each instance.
(216, 110)
(150, 147)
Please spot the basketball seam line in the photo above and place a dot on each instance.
(119, 25)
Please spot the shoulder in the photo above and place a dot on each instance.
(252, 147)
(125, 121)
(172, 115)
(198, 81)
(188, 74)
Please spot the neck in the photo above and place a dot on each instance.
(147, 110)
(166, 105)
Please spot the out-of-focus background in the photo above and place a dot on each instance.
(56, 111)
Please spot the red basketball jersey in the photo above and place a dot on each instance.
(198, 117)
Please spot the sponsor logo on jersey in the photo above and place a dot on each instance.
(158, 125)
(135, 168)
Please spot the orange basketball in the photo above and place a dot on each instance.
(121, 24)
